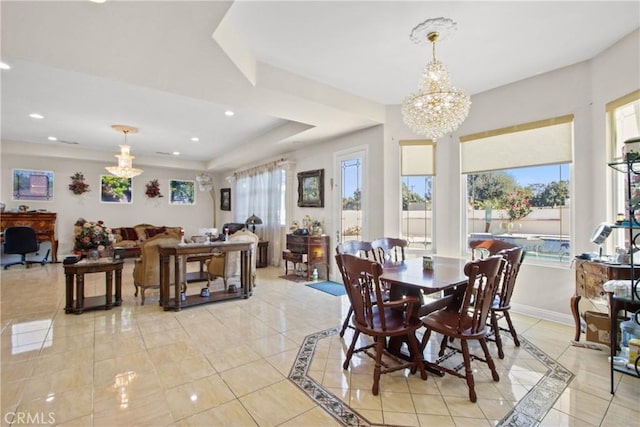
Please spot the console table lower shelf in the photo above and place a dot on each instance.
(77, 302)
(193, 252)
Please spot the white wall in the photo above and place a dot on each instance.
(582, 90)
(70, 207)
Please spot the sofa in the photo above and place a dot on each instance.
(130, 238)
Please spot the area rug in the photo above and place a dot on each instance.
(333, 288)
(528, 411)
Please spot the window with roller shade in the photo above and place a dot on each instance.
(518, 187)
(417, 170)
(623, 120)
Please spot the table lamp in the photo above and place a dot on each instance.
(252, 221)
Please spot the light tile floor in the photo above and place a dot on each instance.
(231, 364)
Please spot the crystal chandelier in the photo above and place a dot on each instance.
(125, 167)
(437, 107)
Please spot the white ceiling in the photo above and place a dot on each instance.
(294, 72)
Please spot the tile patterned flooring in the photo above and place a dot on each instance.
(274, 359)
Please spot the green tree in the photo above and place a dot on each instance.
(553, 194)
(352, 203)
(489, 186)
(409, 196)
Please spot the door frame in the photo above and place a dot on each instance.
(361, 151)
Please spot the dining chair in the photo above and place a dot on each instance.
(389, 249)
(379, 319)
(488, 247)
(358, 248)
(466, 318)
(502, 299)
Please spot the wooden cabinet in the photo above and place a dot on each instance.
(44, 223)
(590, 276)
(310, 250)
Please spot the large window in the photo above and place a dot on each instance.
(518, 187)
(623, 118)
(417, 170)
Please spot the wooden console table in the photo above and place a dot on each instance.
(590, 276)
(178, 252)
(44, 224)
(78, 303)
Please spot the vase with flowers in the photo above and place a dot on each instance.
(153, 189)
(78, 186)
(93, 236)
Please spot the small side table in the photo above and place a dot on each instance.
(77, 303)
(263, 254)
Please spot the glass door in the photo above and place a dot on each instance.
(351, 190)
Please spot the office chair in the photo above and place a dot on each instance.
(22, 241)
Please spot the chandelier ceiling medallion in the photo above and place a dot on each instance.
(125, 167)
(437, 108)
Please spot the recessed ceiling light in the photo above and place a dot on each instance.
(36, 116)
(97, 1)
(52, 138)
(4, 66)
(229, 113)
(195, 139)
(176, 153)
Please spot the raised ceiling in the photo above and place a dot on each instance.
(294, 72)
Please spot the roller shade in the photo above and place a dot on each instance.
(417, 158)
(540, 143)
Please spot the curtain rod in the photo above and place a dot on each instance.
(258, 168)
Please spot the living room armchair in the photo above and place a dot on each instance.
(146, 271)
(233, 258)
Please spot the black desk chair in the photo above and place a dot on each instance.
(22, 241)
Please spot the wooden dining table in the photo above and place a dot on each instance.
(410, 278)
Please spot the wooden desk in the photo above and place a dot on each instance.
(310, 250)
(191, 250)
(590, 276)
(44, 224)
(78, 303)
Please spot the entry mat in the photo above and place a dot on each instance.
(333, 288)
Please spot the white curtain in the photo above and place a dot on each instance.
(261, 191)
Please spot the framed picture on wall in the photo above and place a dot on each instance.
(225, 199)
(182, 192)
(311, 189)
(115, 190)
(32, 185)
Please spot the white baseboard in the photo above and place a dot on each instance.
(552, 316)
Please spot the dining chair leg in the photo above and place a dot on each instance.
(496, 333)
(468, 373)
(512, 329)
(443, 345)
(380, 343)
(425, 340)
(352, 348)
(489, 360)
(414, 349)
(345, 324)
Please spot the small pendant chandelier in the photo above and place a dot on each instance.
(125, 167)
(437, 108)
